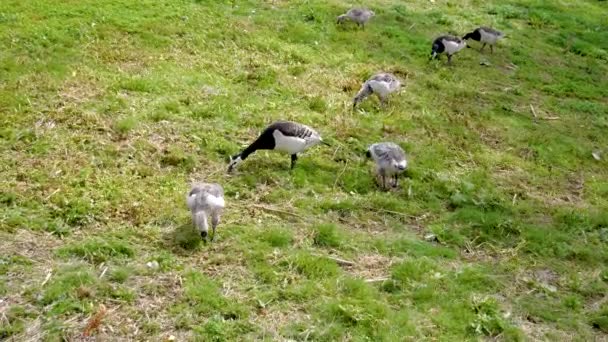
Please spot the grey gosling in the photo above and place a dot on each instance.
(283, 136)
(485, 35)
(206, 199)
(381, 84)
(449, 45)
(390, 161)
(358, 15)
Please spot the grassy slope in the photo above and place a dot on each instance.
(110, 108)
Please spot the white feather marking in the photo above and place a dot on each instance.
(191, 201)
(215, 202)
(234, 162)
(488, 38)
(291, 145)
(381, 88)
(452, 47)
(402, 164)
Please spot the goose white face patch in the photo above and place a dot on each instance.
(291, 145)
(234, 162)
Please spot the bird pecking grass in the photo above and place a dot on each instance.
(111, 108)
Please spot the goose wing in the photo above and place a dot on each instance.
(294, 129)
(387, 151)
(491, 30)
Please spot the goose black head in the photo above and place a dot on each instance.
(234, 161)
(475, 35)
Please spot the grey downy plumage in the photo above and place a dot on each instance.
(360, 16)
(204, 200)
(381, 84)
(390, 161)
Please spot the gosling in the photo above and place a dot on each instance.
(390, 162)
(485, 35)
(381, 84)
(206, 199)
(450, 45)
(282, 136)
(358, 15)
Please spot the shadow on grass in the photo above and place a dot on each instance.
(183, 239)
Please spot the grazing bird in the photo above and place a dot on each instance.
(206, 199)
(449, 45)
(359, 15)
(381, 84)
(485, 35)
(390, 161)
(283, 136)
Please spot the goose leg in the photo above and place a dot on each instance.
(294, 157)
(396, 179)
(483, 46)
(215, 220)
(382, 99)
(491, 48)
(449, 59)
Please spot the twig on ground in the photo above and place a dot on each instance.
(338, 261)
(377, 280)
(391, 212)
(47, 278)
(533, 112)
(278, 211)
(340, 174)
(105, 269)
(95, 320)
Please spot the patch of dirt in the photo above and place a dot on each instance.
(76, 91)
(373, 266)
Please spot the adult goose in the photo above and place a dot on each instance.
(485, 35)
(282, 136)
(449, 45)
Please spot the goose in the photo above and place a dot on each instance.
(206, 199)
(283, 136)
(381, 84)
(485, 35)
(359, 15)
(390, 161)
(449, 45)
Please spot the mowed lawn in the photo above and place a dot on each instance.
(109, 109)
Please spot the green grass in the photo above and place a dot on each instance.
(109, 110)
